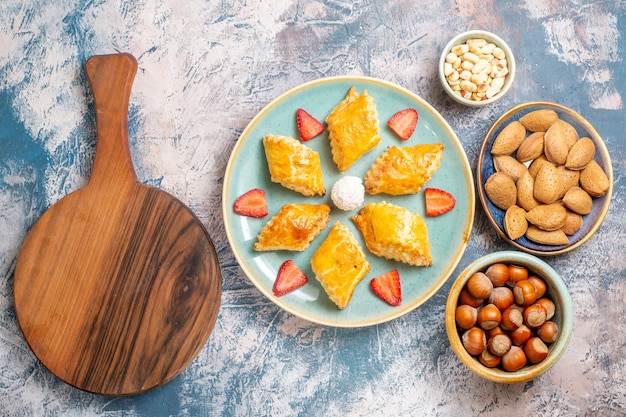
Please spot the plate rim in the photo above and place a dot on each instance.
(600, 146)
(226, 205)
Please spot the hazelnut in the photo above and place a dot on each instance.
(514, 359)
(499, 344)
(540, 285)
(534, 316)
(517, 273)
(466, 298)
(525, 293)
(548, 332)
(474, 340)
(535, 350)
(548, 305)
(511, 319)
(498, 274)
(466, 316)
(479, 285)
(520, 335)
(489, 317)
(502, 297)
(489, 359)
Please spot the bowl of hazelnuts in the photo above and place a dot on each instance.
(509, 317)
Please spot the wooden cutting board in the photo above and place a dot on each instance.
(117, 286)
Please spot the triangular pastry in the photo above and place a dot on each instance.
(293, 228)
(399, 171)
(353, 128)
(339, 265)
(294, 165)
(394, 233)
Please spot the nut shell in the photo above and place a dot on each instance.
(531, 148)
(573, 223)
(578, 200)
(525, 192)
(547, 184)
(509, 165)
(515, 223)
(555, 144)
(580, 154)
(594, 180)
(554, 237)
(539, 120)
(548, 216)
(509, 139)
(501, 191)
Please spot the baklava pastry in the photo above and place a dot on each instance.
(352, 128)
(394, 233)
(293, 228)
(399, 171)
(294, 165)
(339, 265)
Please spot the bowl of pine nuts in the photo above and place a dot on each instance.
(476, 68)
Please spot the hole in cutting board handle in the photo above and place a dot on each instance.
(111, 78)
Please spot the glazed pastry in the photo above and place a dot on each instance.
(339, 265)
(399, 171)
(294, 165)
(293, 228)
(353, 128)
(394, 233)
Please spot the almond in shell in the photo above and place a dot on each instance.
(580, 154)
(569, 179)
(555, 144)
(573, 223)
(547, 216)
(500, 190)
(539, 120)
(531, 147)
(569, 131)
(547, 184)
(554, 237)
(509, 165)
(578, 200)
(515, 223)
(593, 179)
(525, 192)
(535, 166)
(509, 139)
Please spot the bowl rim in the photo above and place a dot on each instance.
(600, 147)
(461, 38)
(558, 292)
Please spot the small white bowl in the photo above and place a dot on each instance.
(461, 39)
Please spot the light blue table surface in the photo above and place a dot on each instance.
(205, 69)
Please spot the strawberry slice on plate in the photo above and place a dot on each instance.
(252, 203)
(308, 126)
(403, 123)
(387, 287)
(289, 278)
(438, 201)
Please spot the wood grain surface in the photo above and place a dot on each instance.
(117, 286)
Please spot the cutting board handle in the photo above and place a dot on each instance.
(111, 78)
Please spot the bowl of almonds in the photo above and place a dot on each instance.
(476, 68)
(509, 316)
(544, 178)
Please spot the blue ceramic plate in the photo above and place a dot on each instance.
(485, 168)
(247, 169)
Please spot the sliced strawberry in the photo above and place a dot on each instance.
(387, 287)
(403, 123)
(438, 201)
(289, 278)
(308, 126)
(253, 203)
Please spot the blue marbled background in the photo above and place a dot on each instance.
(205, 69)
